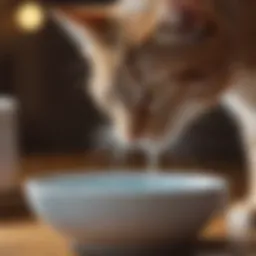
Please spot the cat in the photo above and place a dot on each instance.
(157, 65)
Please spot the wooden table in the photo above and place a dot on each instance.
(31, 238)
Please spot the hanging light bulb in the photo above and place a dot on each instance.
(30, 17)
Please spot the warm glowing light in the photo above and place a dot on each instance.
(30, 17)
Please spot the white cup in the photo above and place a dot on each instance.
(8, 143)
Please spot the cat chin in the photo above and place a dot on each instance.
(111, 139)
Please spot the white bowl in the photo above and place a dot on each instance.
(127, 208)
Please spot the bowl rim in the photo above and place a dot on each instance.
(41, 186)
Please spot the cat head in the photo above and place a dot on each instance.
(157, 65)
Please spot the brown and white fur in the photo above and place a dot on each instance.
(159, 64)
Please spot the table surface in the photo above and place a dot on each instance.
(32, 238)
(28, 238)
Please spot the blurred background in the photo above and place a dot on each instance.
(42, 70)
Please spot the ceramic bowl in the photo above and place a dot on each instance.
(122, 208)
